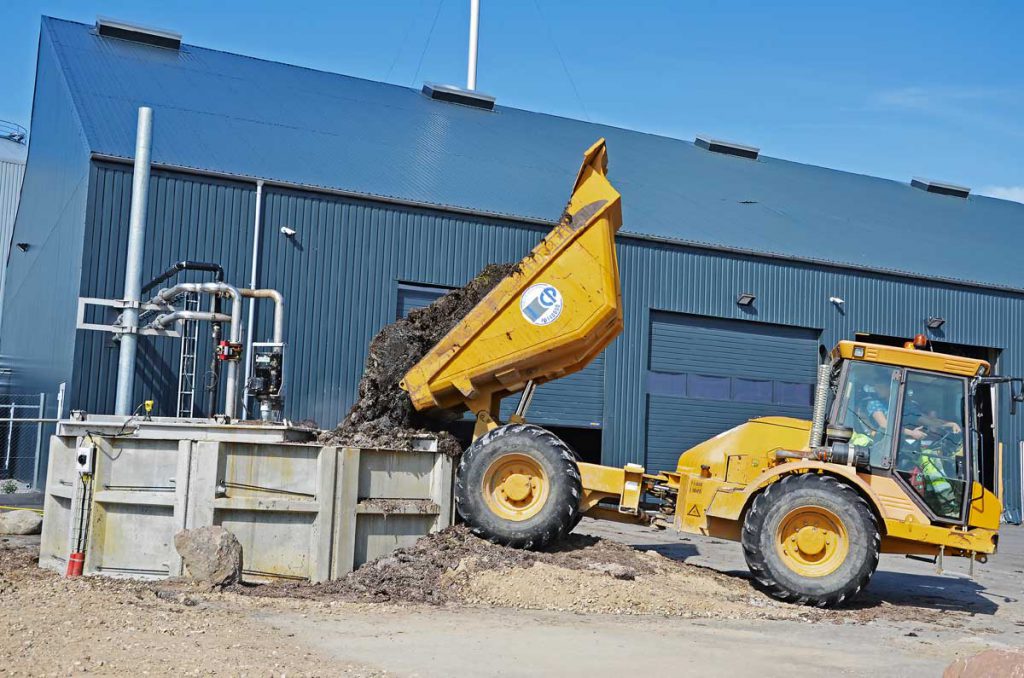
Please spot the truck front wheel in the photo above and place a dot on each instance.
(811, 540)
(519, 485)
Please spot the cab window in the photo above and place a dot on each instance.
(930, 453)
(869, 398)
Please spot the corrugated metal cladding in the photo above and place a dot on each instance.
(232, 114)
(11, 173)
(341, 273)
(658, 278)
(707, 375)
(42, 283)
(205, 220)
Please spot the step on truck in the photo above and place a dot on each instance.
(900, 455)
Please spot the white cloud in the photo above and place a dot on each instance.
(1015, 193)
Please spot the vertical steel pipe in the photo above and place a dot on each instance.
(133, 263)
(474, 32)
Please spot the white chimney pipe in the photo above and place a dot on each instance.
(474, 31)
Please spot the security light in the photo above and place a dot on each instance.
(23, 246)
(935, 322)
(745, 299)
(287, 232)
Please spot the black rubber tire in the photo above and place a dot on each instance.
(561, 509)
(761, 525)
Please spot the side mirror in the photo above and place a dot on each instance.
(1016, 394)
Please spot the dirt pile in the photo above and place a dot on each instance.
(383, 416)
(580, 574)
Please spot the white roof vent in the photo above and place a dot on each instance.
(457, 95)
(113, 28)
(940, 187)
(727, 147)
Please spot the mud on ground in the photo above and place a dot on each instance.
(383, 415)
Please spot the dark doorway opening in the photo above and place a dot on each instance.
(585, 442)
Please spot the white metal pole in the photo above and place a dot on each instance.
(133, 263)
(247, 355)
(474, 31)
(39, 441)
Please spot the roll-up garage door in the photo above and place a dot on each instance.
(707, 375)
(576, 400)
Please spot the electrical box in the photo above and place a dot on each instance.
(85, 459)
(229, 351)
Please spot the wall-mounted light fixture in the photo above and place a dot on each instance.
(935, 322)
(287, 232)
(838, 301)
(23, 246)
(745, 299)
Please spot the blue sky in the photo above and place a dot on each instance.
(933, 89)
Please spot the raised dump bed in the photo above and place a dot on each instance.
(550, 318)
(300, 510)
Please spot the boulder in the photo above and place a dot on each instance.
(212, 556)
(21, 522)
(1003, 663)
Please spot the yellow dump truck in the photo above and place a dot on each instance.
(899, 457)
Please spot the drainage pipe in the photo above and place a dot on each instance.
(252, 284)
(165, 296)
(133, 263)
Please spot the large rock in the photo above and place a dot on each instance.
(21, 522)
(212, 555)
(1002, 663)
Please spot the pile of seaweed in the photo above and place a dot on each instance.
(383, 415)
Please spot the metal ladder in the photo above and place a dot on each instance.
(187, 359)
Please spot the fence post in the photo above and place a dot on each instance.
(39, 441)
(10, 432)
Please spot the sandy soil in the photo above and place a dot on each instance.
(593, 606)
(56, 626)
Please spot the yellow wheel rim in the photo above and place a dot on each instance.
(812, 541)
(515, 486)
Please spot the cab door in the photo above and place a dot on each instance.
(933, 455)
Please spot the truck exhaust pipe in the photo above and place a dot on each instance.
(820, 406)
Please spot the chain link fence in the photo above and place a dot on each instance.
(24, 429)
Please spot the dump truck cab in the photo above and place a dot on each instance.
(898, 457)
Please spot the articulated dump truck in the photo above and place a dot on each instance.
(899, 457)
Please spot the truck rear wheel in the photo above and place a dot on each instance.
(811, 540)
(519, 486)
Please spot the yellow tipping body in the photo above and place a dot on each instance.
(550, 318)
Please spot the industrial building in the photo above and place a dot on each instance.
(13, 149)
(360, 200)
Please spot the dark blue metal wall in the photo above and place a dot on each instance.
(42, 282)
(198, 220)
(340, 275)
(667, 277)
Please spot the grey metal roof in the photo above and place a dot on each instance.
(236, 115)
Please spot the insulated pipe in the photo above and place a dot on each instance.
(166, 319)
(133, 263)
(820, 406)
(164, 296)
(474, 32)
